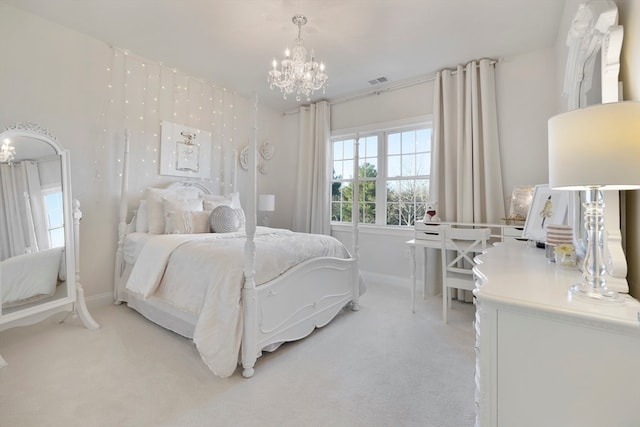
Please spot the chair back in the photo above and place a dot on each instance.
(465, 243)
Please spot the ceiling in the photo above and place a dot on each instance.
(232, 42)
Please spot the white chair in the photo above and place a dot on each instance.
(459, 247)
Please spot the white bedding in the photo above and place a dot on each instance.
(29, 277)
(203, 274)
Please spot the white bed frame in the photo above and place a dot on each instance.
(287, 308)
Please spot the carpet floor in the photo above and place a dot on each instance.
(381, 366)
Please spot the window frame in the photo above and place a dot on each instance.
(381, 130)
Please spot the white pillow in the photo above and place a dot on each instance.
(177, 208)
(155, 208)
(187, 222)
(142, 218)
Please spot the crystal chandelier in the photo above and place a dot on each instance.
(7, 151)
(295, 74)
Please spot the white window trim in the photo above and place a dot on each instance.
(380, 128)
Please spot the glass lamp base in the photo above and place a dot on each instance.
(585, 292)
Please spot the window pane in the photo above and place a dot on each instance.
(393, 166)
(367, 169)
(372, 146)
(423, 140)
(337, 150)
(53, 202)
(393, 144)
(56, 236)
(409, 142)
(423, 164)
(347, 169)
(348, 149)
(408, 165)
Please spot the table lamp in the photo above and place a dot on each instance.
(266, 205)
(594, 149)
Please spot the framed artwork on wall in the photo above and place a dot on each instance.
(185, 151)
(547, 207)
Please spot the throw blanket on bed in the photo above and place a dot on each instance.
(203, 274)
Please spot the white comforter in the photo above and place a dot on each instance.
(203, 274)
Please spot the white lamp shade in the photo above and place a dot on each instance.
(597, 146)
(266, 202)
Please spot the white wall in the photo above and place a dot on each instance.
(58, 78)
(526, 95)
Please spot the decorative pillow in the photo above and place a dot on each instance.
(187, 222)
(155, 208)
(142, 218)
(224, 219)
(178, 208)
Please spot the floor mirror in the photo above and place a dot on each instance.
(39, 229)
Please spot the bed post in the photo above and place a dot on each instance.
(355, 217)
(122, 225)
(249, 292)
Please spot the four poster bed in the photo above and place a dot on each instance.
(235, 293)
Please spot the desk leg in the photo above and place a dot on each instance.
(424, 272)
(412, 272)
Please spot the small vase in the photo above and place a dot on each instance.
(566, 259)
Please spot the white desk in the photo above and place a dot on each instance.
(428, 237)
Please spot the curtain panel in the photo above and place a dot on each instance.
(312, 197)
(466, 178)
(22, 218)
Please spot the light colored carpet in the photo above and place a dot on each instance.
(381, 366)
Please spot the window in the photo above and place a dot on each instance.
(394, 168)
(54, 212)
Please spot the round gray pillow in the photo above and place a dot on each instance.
(224, 219)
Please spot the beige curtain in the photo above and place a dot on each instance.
(22, 220)
(312, 198)
(466, 178)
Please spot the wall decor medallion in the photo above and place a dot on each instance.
(262, 168)
(244, 158)
(267, 150)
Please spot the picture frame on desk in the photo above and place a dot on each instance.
(548, 206)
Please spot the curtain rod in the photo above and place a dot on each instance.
(400, 85)
(392, 87)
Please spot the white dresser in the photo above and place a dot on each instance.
(543, 359)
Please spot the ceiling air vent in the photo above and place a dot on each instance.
(378, 80)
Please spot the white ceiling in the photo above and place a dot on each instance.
(232, 42)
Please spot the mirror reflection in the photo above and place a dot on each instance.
(32, 225)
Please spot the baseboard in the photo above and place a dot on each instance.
(100, 300)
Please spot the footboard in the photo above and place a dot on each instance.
(306, 297)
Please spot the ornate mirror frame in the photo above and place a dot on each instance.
(73, 301)
(591, 77)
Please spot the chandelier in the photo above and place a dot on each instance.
(7, 151)
(296, 74)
